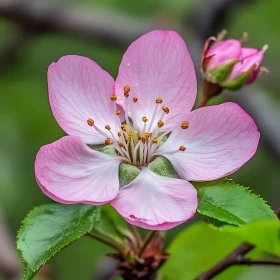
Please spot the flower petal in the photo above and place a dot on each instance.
(68, 171)
(158, 64)
(223, 52)
(219, 140)
(247, 52)
(155, 202)
(80, 89)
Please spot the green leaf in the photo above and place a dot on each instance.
(195, 250)
(228, 202)
(49, 228)
(263, 234)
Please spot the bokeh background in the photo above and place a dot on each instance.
(35, 33)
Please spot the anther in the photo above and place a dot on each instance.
(114, 97)
(159, 100)
(119, 133)
(90, 122)
(144, 138)
(160, 123)
(126, 90)
(135, 99)
(124, 127)
(148, 134)
(182, 148)
(118, 112)
(144, 119)
(108, 141)
(108, 127)
(165, 109)
(155, 140)
(121, 144)
(127, 138)
(184, 125)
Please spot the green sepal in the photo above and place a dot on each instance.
(238, 82)
(220, 73)
(163, 167)
(127, 173)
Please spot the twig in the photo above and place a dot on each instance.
(233, 258)
(106, 241)
(147, 242)
(247, 261)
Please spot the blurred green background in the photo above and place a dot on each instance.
(27, 123)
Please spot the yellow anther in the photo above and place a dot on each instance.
(144, 138)
(126, 90)
(108, 127)
(124, 127)
(155, 140)
(184, 125)
(160, 123)
(108, 141)
(127, 138)
(182, 148)
(144, 119)
(119, 133)
(90, 122)
(148, 134)
(159, 100)
(114, 97)
(135, 99)
(118, 112)
(165, 109)
(121, 144)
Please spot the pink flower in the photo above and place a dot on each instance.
(156, 88)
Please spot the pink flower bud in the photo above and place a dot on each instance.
(246, 70)
(219, 58)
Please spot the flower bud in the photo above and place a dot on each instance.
(225, 64)
(219, 58)
(246, 70)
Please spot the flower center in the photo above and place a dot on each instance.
(137, 146)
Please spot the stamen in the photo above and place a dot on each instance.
(108, 127)
(121, 144)
(90, 122)
(135, 99)
(182, 148)
(144, 138)
(159, 100)
(126, 90)
(165, 109)
(144, 119)
(124, 127)
(119, 133)
(155, 140)
(114, 97)
(118, 112)
(160, 123)
(108, 141)
(184, 125)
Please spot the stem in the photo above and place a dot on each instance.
(147, 241)
(137, 235)
(236, 257)
(203, 101)
(106, 241)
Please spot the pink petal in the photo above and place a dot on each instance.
(219, 140)
(80, 89)
(247, 52)
(223, 52)
(158, 64)
(68, 171)
(246, 64)
(155, 202)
